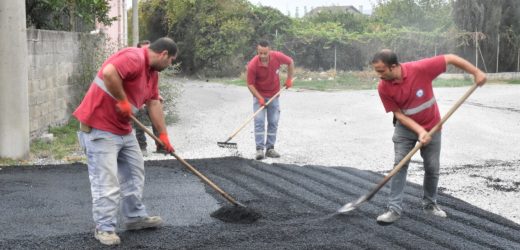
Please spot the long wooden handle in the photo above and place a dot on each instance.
(253, 116)
(419, 145)
(190, 167)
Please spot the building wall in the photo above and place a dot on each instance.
(117, 31)
(58, 65)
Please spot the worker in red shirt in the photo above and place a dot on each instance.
(126, 81)
(406, 90)
(264, 82)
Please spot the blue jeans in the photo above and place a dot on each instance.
(272, 112)
(116, 173)
(404, 141)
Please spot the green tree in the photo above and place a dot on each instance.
(489, 20)
(68, 15)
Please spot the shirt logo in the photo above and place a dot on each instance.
(419, 93)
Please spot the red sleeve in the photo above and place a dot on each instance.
(433, 66)
(389, 104)
(155, 88)
(251, 73)
(128, 65)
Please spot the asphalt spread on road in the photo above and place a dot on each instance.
(50, 207)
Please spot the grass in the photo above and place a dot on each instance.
(330, 81)
(62, 147)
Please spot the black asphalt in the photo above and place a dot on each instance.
(48, 207)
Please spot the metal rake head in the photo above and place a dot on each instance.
(231, 145)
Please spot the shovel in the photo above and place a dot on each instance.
(353, 205)
(237, 213)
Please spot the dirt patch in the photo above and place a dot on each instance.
(297, 204)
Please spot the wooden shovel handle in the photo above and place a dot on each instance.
(419, 145)
(186, 164)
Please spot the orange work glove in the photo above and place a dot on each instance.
(288, 83)
(166, 141)
(124, 107)
(261, 101)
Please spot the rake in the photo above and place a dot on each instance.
(233, 145)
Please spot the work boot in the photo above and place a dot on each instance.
(271, 153)
(388, 217)
(143, 222)
(434, 209)
(108, 238)
(259, 154)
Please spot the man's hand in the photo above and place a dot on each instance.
(480, 78)
(124, 107)
(166, 141)
(261, 101)
(425, 138)
(288, 83)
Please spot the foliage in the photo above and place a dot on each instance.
(486, 21)
(68, 15)
(218, 37)
(64, 144)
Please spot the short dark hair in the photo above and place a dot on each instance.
(387, 56)
(162, 44)
(143, 42)
(263, 43)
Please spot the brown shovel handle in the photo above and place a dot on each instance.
(419, 145)
(252, 116)
(186, 164)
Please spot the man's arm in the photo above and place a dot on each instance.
(113, 82)
(479, 76)
(408, 122)
(155, 111)
(290, 70)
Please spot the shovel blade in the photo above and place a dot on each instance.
(347, 208)
(352, 205)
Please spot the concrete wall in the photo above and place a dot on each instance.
(58, 75)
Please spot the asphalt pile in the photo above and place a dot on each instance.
(49, 207)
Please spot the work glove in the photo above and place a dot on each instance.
(166, 141)
(124, 107)
(288, 83)
(261, 101)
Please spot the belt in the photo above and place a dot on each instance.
(84, 127)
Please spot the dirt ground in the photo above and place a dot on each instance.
(335, 147)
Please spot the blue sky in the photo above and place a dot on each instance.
(290, 5)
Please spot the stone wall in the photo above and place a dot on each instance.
(59, 72)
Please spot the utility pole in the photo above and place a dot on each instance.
(135, 23)
(14, 90)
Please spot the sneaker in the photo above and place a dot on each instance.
(259, 154)
(388, 217)
(143, 222)
(434, 209)
(144, 152)
(108, 238)
(271, 153)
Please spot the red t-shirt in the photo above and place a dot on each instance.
(265, 78)
(414, 95)
(140, 83)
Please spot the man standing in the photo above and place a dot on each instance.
(127, 80)
(406, 90)
(264, 82)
